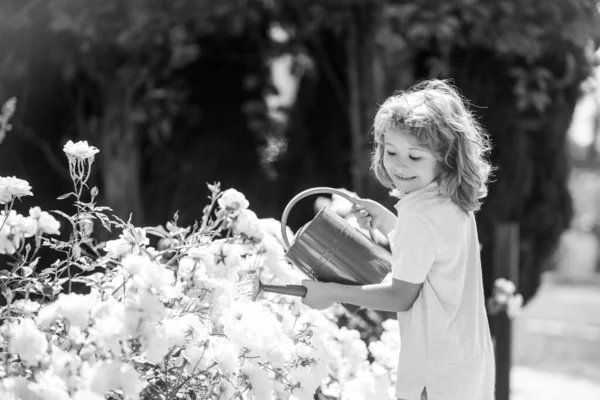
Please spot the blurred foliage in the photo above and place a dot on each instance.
(126, 69)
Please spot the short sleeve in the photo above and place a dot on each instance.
(413, 249)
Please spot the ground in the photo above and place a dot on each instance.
(556, 342)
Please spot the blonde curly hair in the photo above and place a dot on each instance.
(437, 116)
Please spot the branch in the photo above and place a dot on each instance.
(354, 108)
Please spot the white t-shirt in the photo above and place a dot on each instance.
(446, 344)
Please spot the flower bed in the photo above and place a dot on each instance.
(170, 321)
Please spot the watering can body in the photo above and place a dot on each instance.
(330, 249)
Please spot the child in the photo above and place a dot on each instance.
(430, 150)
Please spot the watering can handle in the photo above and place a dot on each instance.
(309, 192)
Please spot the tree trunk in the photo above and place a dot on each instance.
(367, 80)
(120, 156)
(358, 139)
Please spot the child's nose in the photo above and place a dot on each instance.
(401, 165)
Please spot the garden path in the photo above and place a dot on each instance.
(556, 342)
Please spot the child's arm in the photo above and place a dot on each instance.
(394, 295)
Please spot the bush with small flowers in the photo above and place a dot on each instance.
(164, 322)
(505, 299)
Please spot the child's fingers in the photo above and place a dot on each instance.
(358, 211)
(364, 222)
(364, 214)
(355, 208)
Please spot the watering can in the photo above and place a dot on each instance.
(329, 249)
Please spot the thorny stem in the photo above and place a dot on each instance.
(279, 374)
(192, 376)
(7, 210)
(239, 391)
(213, 200)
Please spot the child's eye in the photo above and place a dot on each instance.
(390, 153)
(414, 158)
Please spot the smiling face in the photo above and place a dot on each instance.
(410, 166)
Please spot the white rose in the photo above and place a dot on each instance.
(16, 388)
(65, 364)
(206, 257)
(515, 303)
(28, 227)
(148, 274)
(73, 307)
(248, 224)
(198, 359)
(179, 328)
(48, 224)
(144, 305)
(262, 385)
(505, 286)
(176, 330)
(113, 376)
(109, 317)
(35, 212)
(186, 267)
(20, 226)
(8, 242)
(156, 343)
(227, 390)
(226, 355)
(87, 395)
(230, 255)
(11, 187)
(304, 350)
(27, 341)
(233, 200)
(117, 248)
(5, 196)
(199, 330)
(80, 150)
(26, 307)
(273, 228)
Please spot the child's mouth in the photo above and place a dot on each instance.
(405, 178)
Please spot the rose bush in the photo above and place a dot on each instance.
(168, 321)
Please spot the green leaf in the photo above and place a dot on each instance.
(34, 263)
(105, 221)
(64, 215)
(8, 294)
(64, 196)
(157, 231)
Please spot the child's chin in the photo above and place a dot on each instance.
(406, 185)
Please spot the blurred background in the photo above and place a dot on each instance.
(274, 97)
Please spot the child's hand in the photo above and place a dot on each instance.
(318, 295)
(367, 213)
(363, 218)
